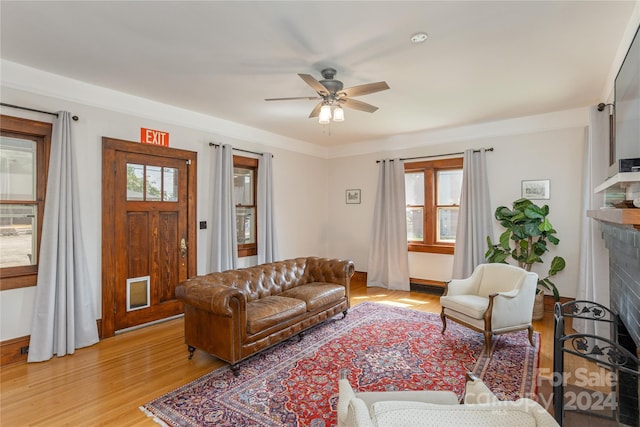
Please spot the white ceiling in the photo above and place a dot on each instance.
(483, 61)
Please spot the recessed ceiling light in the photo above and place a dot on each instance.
(418, 37)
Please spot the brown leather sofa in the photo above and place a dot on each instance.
(237, 313)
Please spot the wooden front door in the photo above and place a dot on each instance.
(148, 232)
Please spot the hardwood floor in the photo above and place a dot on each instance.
(106, 383)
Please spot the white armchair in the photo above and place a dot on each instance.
(495, 299)
(436, 408)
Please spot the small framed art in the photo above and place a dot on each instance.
(538, 189)
(353, 196)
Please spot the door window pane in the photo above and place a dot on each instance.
(153, 182)
(135, 182)
(414, 188)
(17, 169)
(415, 223)
(170, 185)
(245, 225)
(18, 238)
(447, 224)
(449, 187)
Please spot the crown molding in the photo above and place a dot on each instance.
(28, 79)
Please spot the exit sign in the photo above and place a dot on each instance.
(154, 137)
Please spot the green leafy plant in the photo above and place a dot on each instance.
(525, 239)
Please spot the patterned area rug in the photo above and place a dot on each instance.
(380, 346)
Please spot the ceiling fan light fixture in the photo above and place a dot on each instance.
(325, 115)
(419, 37)
(338, 114)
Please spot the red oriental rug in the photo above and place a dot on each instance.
(382, 348)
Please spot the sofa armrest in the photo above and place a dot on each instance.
(328, 270)
(210, 296)
(476, 391)
(351, 410)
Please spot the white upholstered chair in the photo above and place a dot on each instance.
(436, 408)
(495, 299)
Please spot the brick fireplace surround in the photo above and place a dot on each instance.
(623, 243)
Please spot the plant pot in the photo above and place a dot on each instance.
(538, 307)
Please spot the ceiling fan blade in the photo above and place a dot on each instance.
(315, 84)
(293, 98)
(364, 89)
(316, 111)
(357, 105)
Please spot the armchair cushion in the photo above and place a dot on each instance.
(472, 305)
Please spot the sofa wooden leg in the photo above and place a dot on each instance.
(192, 349)
(235, 369)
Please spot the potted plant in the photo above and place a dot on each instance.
(525, 239)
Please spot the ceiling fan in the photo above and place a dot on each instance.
(331, 93)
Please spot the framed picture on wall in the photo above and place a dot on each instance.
(353, 196)
(538, 189)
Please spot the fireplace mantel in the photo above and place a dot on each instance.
(617, 216)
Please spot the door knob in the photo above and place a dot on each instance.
(183, 248)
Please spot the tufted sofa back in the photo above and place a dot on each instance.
(273, 278)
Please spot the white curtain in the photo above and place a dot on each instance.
(388, 265)
(475, 220)
(224, 241)
(267, 241)
(593, 273)
(64, 314)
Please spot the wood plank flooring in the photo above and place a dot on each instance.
(106, 383)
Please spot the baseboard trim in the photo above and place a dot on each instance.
(360, 275)
(13, 350)
(550, 302)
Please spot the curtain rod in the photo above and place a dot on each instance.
(75, 118)
(213, 144)
(438, 155)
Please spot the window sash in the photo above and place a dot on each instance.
(14, 277)
(435, 238)
(246, 168)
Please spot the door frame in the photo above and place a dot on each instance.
(109, 247)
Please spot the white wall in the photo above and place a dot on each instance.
(300, 177)
(549, 146)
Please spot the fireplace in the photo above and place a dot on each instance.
(623, 243)
(616, 354)
(624, 275)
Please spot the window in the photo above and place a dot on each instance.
(244, 187)
(151, 183)
(433, 198)
(24, 159)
